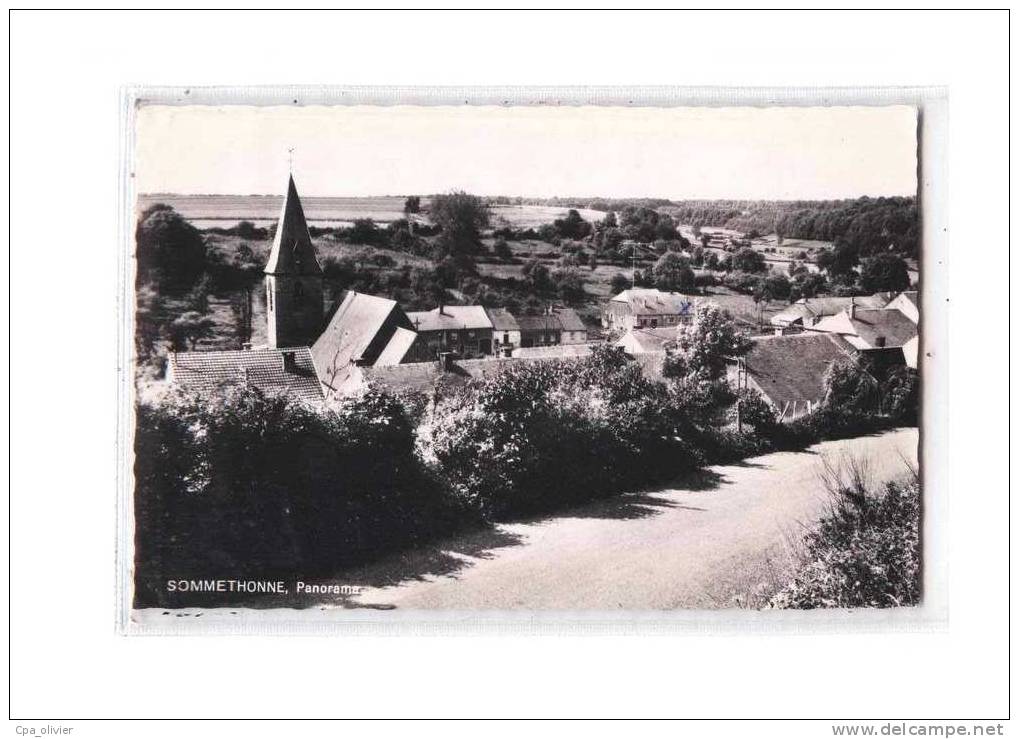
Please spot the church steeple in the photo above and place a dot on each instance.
(293, 279)
(292, 251)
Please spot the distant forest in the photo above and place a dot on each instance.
(868, 225)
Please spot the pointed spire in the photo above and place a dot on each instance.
(292, 251)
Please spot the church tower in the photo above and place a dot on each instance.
(293, 280)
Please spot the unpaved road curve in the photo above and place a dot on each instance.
(708, 542)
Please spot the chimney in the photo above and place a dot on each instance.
(246, 346)
(446, 361)
(290, 362)
(879, 342)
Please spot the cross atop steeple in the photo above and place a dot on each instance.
(290, 154)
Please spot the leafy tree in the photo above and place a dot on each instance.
(573, 226)
(365, 231)
(884, 272)
(619, 283)
(849, 386)
(609, 221)
(412, 204)
(462, 217)
(171, 251)
(706, 344)
(672, 272)
(198, 298)
(569, 284)
(148, 308)
(537, 276)
(502, 250)
(840, 261)
(748, 260)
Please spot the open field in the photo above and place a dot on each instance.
(224, 211)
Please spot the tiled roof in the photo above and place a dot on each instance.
(870, 329)
(569, 320)
(292, 252)
(359, 330)
(397, 348)
(502, 319)
(543, 322)
(261, 368)
(791, 368)
(650, 301)
(451, 318)
(642, 340)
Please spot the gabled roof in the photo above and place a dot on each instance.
(542, 322)
(569, 320)
(502, 319)
(644, 340)
(451, 318)
(360, 329)
(651, 301)
(870, 329)
(791, 368)
(265, 369)
(397, 348)
(292, 252)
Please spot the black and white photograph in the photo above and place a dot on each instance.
(559, 366)
(477, 358)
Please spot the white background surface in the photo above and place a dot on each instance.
(67, 661)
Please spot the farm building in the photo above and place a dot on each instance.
(805, 312)
(788, 371)
(646, 308)
(465, 330)
(272, 370)
(867, 329)
(505, 331)
(573, 329)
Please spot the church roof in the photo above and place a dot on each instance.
(360, 330)
(266, 369)
(292, 251)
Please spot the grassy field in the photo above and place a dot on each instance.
(206, 211)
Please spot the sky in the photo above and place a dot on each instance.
(778, 153)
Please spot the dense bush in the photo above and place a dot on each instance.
(545, 434)
(241, 483)
(865, 552)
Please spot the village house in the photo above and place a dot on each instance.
(866, 329)
(788, 371)
(806, 312)
(646, 308)
(505, 331)
(465, 330)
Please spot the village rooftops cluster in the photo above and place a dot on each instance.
(371, 340)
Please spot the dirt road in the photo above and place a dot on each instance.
(708, 542)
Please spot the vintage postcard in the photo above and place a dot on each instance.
(521, 358)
